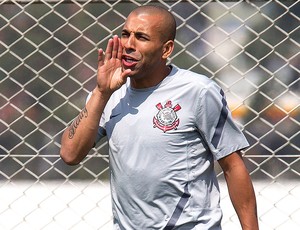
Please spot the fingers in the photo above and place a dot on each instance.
(125, 74)
(114, 48)
(120, 50)
(108, 50)
(100, 58)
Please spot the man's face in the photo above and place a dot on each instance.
(142, 44)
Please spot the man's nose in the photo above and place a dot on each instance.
(129, 43)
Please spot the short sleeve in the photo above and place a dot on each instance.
(215, 123)
(101, 129)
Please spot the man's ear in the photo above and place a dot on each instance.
(168, 49)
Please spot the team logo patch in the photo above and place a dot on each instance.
(166, 118)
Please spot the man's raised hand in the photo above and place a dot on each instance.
(110, 76)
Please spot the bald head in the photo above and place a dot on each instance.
(168, 23)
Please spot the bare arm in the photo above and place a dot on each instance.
(79, 137)
(240, 190)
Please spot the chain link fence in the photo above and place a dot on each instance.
(48, 61)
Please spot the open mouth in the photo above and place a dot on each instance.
(129, 61)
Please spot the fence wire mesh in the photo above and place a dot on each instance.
(48, 54)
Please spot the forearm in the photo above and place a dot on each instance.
(79, 137)
(242, 196)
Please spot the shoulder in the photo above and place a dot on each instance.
(194, 80)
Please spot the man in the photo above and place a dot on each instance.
(165, 126)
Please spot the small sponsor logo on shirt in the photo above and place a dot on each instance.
(166, 118)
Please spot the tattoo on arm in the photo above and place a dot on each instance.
(74, 125)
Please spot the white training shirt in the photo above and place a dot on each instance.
(163, 142)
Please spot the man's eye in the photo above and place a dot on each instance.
(143, 38)
(124, 35)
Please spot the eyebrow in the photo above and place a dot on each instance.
(139, 33)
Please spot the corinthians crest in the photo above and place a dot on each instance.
(166, 118)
